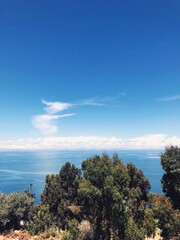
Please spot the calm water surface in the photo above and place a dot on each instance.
(20, 168)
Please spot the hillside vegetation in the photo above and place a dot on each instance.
(105, 199)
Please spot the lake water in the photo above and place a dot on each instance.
(20, 168)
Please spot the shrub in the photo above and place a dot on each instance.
(41, 219)
(15, 208)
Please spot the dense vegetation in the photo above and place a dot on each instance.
(105, 199)
(170, 161)
(15, 209)
(111, 196)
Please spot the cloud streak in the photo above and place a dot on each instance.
(46, 124)
(100, 101)
(169, 99)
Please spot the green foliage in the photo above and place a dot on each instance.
(170, 161)
(167, 209)
(41, 219)
(51, 192)
(138, 181)
(73, 231)
(149, 222)
(61, 188)
(111, 193)
(108, 192)
(60, 192)
(67, 236)
(132, 232)
(108, 201)
(14, 208)
(68, 179)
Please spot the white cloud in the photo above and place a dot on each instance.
(154, 141)
(169, 99)
(46, 124)
(55, 107)
(149, 140)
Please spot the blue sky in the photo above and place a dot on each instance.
(108, 70)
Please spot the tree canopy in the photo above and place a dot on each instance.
(111, 194)
(170, 161)
(60, 192)
(113, 197)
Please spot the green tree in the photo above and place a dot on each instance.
(170, 161)
(68, 180)
(51, 193)
(60, 192)
(110, 194)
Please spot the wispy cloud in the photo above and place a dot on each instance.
(55, 107)
(100, 101)
(169, 99)
(149, 141)
(47, 123)
(90, 102)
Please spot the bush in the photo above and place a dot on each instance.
(14, 209)
(41, 219)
